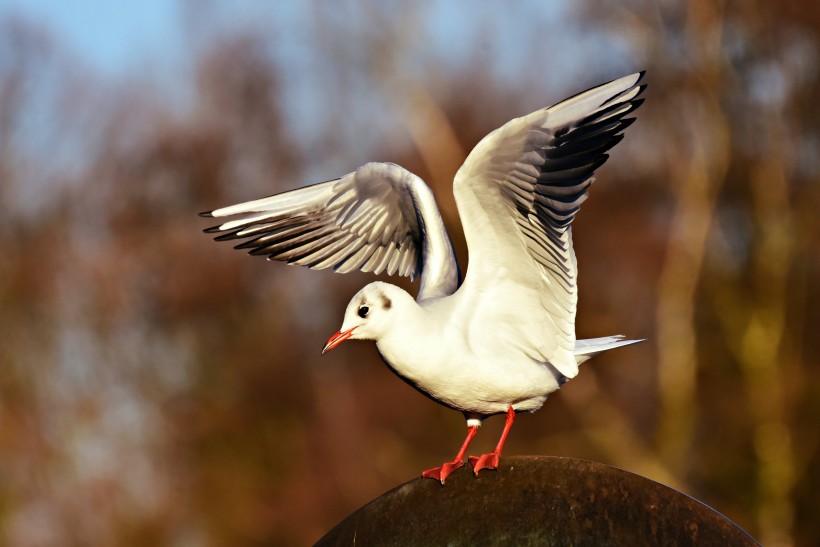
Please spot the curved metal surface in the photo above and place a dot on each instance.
(537, 500)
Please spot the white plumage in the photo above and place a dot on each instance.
(503, 339)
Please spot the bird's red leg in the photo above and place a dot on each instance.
(490, 461)
(441, 473)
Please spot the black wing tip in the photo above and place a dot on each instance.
(626, 122)
(615, 139)
(213, 230)
(207, 214)
(618, 98)
(641, 74)
(226, 237)
(250, 244)
(639, 82)
(259, 251)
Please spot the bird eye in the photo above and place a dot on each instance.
(363, 311)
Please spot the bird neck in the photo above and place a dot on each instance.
(401, 348)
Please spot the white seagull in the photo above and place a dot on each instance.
(502, 340)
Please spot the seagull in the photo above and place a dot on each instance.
(503, 339)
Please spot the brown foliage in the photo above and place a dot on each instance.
(174, 385)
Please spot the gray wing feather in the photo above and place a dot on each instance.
(352, 223)
(379, 218)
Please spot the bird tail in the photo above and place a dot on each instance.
(586, 349)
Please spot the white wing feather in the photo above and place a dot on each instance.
(517, 194)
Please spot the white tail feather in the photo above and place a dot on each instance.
(586, 349)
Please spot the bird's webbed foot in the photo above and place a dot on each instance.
(441, 473)
(485, 461)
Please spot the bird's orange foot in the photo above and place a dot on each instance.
(485, 461)
(441, 473)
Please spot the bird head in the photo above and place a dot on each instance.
(369, 314)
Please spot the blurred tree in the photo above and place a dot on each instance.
(174, 385)
(738, 82)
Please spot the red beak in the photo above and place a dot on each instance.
(337, 339)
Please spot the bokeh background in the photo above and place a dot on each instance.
(157, 388)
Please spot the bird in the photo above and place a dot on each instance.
(501, 339)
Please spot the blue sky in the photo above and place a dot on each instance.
(112, 36)
(107, 35)
(529, 45)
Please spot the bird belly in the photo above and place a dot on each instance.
(478, 386)
(493, 389)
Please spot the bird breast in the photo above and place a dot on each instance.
(434, 359)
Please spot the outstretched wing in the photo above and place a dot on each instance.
(379, 218)
(518, 193)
